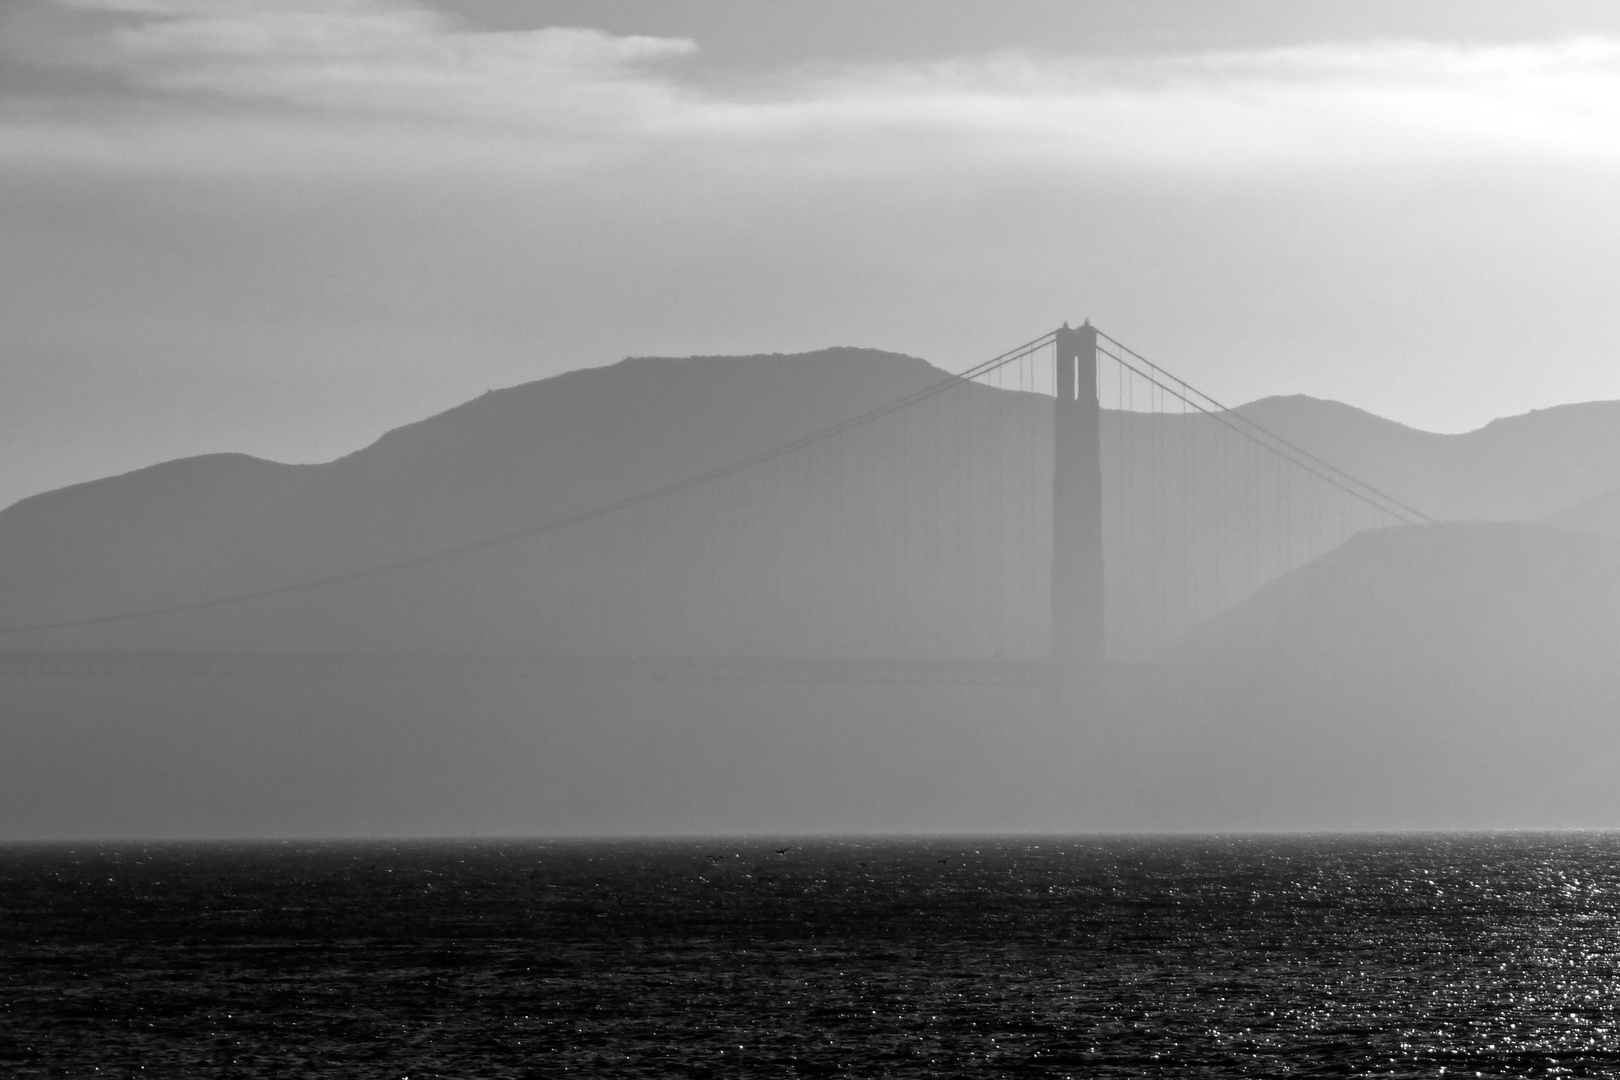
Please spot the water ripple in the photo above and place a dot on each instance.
(1054, 957)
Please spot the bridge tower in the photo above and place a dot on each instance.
(1078, 635)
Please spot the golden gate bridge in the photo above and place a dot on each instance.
(1054, 514)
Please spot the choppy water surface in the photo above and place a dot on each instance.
(1051, 957)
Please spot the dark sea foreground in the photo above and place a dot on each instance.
(1489, 955)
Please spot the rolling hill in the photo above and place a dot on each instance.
(1454, 675)
(220, 525)
(1444, 676)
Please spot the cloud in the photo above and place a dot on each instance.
(385, 84)
(388, 58)
(1324, 105)
(337, 84)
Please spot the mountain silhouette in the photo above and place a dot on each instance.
(224, 524)
(216, 526)
(1453, 675)
(1459, 602)
(1599, 515)
(1449, 675)
(1518, 468)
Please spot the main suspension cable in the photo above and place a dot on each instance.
(1348, 484)
(949, 382)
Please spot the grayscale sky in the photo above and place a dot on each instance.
(283, 226)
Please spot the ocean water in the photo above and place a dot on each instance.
(1043, 957)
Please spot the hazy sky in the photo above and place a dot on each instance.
(282, 226)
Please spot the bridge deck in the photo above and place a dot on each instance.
(14, 664)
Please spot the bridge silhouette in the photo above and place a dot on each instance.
(1052, 515)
